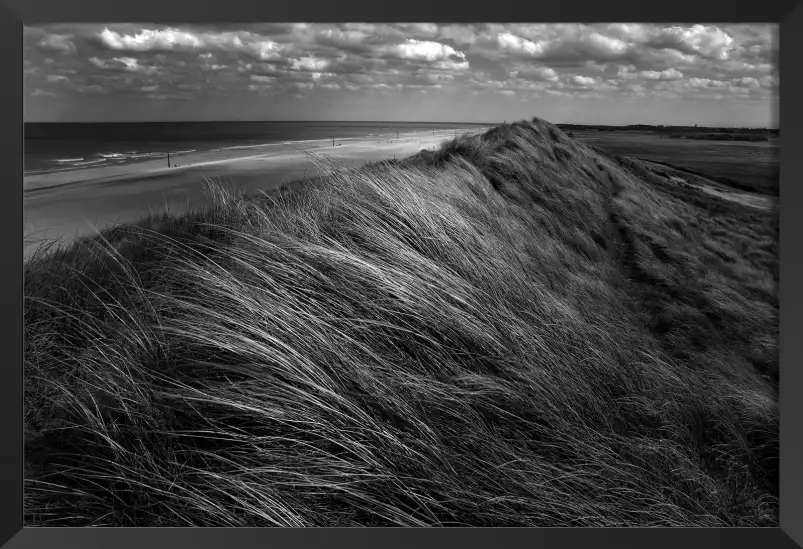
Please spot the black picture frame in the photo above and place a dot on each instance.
(16, 13)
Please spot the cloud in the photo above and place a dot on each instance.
(57, 78)
(419, 30)
(436, 54)
(424, 51)
(516, 44)
(188, 87)
(36, 92)
(92, 89)
(265, 50)
(768, 81)
(635, 89)
(707, 83)
(584, 81)
(151, 40)
(562, 43)
(340, 38)
(668, 74)
(608, 46)
(126, 64)
(57, 43)
(560, 60)
(627, 72)
(309, 64)
(746, 82)
(177, 40)
(704, 40)
(536, 73)
(460, 35)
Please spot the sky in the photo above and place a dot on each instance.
(711, 75)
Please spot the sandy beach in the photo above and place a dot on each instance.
(61, 205)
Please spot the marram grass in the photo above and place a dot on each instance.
(515, 330)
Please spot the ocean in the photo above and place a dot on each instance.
(66, 146)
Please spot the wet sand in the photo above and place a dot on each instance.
(64, 204)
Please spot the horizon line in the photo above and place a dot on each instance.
(377, 121)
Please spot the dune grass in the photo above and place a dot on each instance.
(514, 330)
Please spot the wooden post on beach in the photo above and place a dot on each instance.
(168, 158)
(333, 140)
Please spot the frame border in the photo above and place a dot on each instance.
(664, 538)
(16, 13)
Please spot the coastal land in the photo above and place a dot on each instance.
(61, 205)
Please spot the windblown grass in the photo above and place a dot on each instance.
(516, 330)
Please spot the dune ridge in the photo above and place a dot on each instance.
(513, 330)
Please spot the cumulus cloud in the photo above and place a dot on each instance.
(127, 64)
(516, 44)
(668, 74)
(435, 54)
(177, 40)
(705, 40)
(585, 81)
(706, 83)
(154, 40)
(57, 43)
(528, 60)
(747, 82)
(309, 64)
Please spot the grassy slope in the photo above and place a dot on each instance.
(514, 330)
(745, 166)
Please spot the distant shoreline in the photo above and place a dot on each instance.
(67, 204)
(55, 147)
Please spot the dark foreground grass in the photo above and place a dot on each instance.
(515, 330)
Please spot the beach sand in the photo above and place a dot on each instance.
(65, 204)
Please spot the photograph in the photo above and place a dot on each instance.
(400, 274)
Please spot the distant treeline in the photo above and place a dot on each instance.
(722, 136)
(671, 129)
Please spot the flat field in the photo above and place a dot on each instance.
(745, 165)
